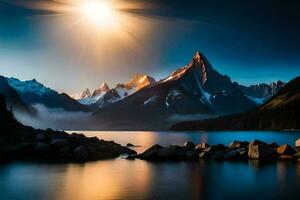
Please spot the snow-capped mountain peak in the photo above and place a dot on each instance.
(29, 86)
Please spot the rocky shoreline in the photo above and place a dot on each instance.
(235, 151)
(28, 144)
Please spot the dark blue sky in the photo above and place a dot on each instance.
(251, 41)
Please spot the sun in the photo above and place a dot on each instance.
(100, 12)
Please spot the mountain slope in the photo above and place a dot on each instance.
(261, 93)
(13, 99)
(280, 112)
(33, 92)
(195, 90)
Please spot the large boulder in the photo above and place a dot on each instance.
(202, 146)
(274, 145)
(59, 143)
(285, 149)
(256, 142)
(170, 153)
(205, 155)
(42, 149)
(151, 153)
(191, 155)
(238, 144)
(41, 138)
(214, 148)
(236, 154)
(261, 151)
(189, 145)
(218, 155)
(81, 154)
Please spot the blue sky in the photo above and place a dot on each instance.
(254, 41)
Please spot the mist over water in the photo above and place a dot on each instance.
(55, 118)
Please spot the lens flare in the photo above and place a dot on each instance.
(101, 13)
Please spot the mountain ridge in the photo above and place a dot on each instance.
(279, 112)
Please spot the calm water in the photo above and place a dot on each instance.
(123, 179)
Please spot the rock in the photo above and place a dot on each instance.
(151, 153)
(215, 148)
(218, 155)
(238, 144)
(297, 143)
(285, 149)
(256, 142)
(286, 157)
(261, 151)
(42, 148)
(202, 146)
(205, 155)
(130, 145)
(232, 155)
(274, 145)
(65, 153)
(130, 157)
(170, 153)
(81, 154)
(40, 138)
(189, 145)
(191, 155)
(59, 143)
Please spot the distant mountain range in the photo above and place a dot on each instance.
(195, 91)
(22, 95)
(280, 112)
(260, 93)
(104, 96)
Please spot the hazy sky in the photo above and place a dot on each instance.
(251, 41)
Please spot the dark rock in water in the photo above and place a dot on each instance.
(151, 153)
(42, 149)
(59, 143)
(215, 148)
(202, 146)
(238, 144)
(130, 145)
(218, 155)
(192, 155)
(256, 142)
(261, 151)
(285, 149)
(189, 145)
(205, 155)
(81, 154)
(232, 155)
(274, 145)
(41, 138)
(130, 157)
(170, 153)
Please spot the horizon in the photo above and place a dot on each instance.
(42, 39)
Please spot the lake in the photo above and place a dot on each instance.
(124, 179)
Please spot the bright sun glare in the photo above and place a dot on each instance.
(100, 12)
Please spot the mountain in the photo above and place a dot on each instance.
(260, 93)
(104, 96)
(193, 90)
(280, 112)
(33, 92)
(13, 98)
